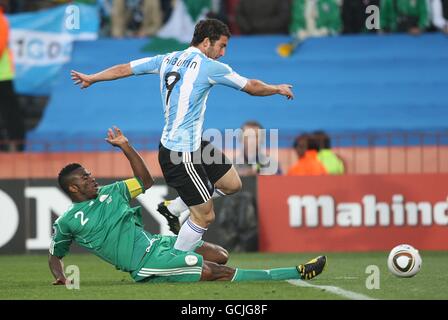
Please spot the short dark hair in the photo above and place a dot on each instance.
(302, 137)
(309, 141)
(252, 123)
(323, 139)
(64, 175)
(209, 28)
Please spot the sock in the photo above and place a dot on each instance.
(177, 206)
(189, 236)
(272, 274)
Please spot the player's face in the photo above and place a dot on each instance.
(301, 147)
(218, 49)
(85, 184)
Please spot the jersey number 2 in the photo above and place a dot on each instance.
(171, 78)
(80, 213)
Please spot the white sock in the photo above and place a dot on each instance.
(189, 236)
(177, 206)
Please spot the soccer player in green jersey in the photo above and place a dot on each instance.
(102, 221)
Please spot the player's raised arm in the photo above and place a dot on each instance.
(116, 138)
(116, 72)
(259, 88)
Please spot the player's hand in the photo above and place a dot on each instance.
(80, 78)
(285, 90)
(116, 138)
(61, 281)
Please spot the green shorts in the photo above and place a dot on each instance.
(163, 263)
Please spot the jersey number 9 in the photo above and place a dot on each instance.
(171, 78)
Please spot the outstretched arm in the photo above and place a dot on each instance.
(57, 269)
(259, 88)
(116, 138)
(116, 72)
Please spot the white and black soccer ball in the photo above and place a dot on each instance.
(404, 261)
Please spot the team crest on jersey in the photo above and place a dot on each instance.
(191, 260)
(104, 197)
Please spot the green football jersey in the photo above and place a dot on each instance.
(105, 226)
(331, 161)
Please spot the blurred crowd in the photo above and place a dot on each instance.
(315, 156)
(300, 18)
(313, 151)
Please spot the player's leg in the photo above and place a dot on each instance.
(163, 263)
(229, 183)
(225, 184)
(213, 252)
(175, 175)
(173, 209)
(190, 181)
(212, 271)
(191, 232)
(183, 172)
(220, 173)
(213, 168)
(220, 170)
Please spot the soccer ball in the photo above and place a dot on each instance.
(404, 261)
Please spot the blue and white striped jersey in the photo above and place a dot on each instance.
(186, 78)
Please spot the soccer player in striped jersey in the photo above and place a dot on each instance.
(102, 221)
(186, 78)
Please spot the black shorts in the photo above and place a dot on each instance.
(194, 174)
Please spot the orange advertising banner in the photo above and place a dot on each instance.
(353, 212)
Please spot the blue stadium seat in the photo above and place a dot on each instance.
(347, 84)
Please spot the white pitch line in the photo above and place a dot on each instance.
(336, 290)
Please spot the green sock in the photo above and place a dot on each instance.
(272, 274)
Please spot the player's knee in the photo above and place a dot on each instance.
(222, 256)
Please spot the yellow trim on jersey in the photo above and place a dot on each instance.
(134, 186)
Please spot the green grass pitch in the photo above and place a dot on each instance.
(28, 277)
